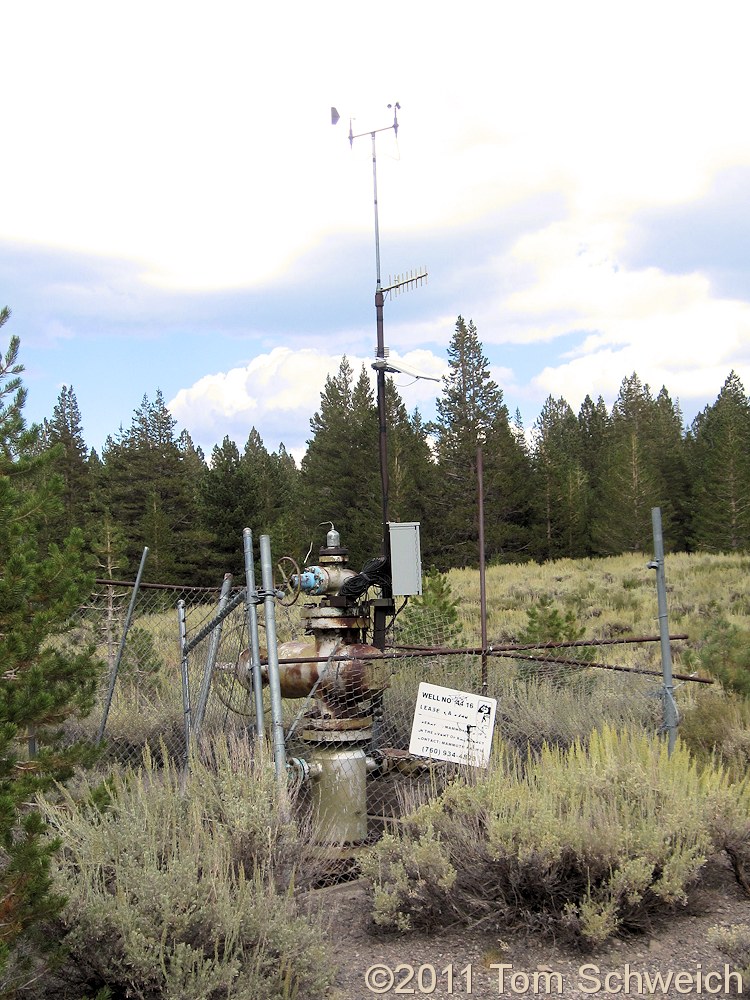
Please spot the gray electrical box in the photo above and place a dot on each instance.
(406, 558)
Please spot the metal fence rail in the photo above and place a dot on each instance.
(551, 692)
(187, 666)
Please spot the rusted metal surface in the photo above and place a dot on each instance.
(563, 644)
(341, 623)
(341, 677)
(511, 652)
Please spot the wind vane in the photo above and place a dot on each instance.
(400, 282)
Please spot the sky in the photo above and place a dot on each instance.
(178, 213)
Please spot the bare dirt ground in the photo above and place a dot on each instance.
(458, 962)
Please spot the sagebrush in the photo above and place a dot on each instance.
(181, 885)
(583, 842)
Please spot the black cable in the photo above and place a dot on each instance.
(375, 573)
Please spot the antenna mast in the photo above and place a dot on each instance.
(380, 365)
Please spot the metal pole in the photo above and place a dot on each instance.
(277, 722)
(382, 427)
(121, 650)
(385, 606)
(381, 610)
(380, 352)
(207, 629)
(185, 676)
(253, 636)
(375, 198)
(482, 579)
(670, 707)
(213, 652)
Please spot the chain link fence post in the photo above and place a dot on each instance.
(252, 630)
(213, 652)
(184, 674)
(670, 706)
(277, 720)
(121, 650)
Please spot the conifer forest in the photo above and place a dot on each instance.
(572, 485)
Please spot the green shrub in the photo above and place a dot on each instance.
(536, 711)
(431, 618)
(734, 941)
(423, 875)
(180, 886)
(141, 665)
(545, 624)
(136, 722)
(582, 842)
(724, 652)
(717, 724)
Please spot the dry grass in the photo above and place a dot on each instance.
(609, 598)
(615, 595)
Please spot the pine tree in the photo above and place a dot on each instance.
(508, 493)
(470, 410)
(412, 473)
(720, 460)
(324, 466)
(340, 478)
(287, 532)
(150, 491)
(471, 400)
(593, 435)
(670, 449)
(65, 430)
(225, 501)
(633, 483)
(562, 487)
(365, 514)
(257, 471)
(192, 459)
(108, 548)
(432, 618)
(44, 677)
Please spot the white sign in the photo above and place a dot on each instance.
(452, 725)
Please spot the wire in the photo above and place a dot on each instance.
(228, 703)
(375, 573)
(398, 612)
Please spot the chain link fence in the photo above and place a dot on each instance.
(146, 705)
(555, 694)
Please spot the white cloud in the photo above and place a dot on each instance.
(200, 145)
(278, 392)
(197, 147)
(55, 331)
(668, 328)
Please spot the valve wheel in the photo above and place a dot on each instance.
(287, 568)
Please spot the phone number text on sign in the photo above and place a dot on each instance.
(452, 725)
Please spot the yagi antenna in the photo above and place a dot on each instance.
(403, 282)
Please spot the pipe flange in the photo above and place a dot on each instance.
(329, 731)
